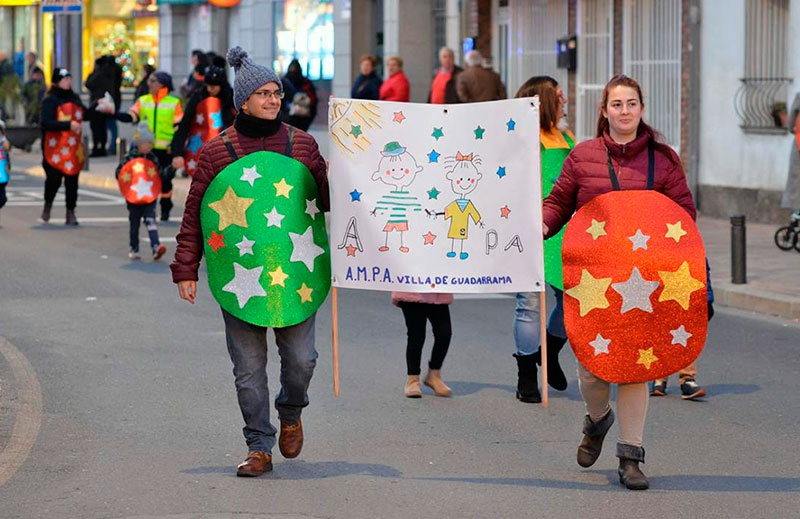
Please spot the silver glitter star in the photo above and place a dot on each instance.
(274, 218)
(245, 284)
(639, 240)
(600, 345)
(250, 175)
(311, 208)
(635, 292)
(304, 249)
(245, 246)
(680, 336)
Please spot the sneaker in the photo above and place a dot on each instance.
(658, 387)
(134, 255)
(691, 390)
(159, 251)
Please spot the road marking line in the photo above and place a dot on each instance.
(29, 417)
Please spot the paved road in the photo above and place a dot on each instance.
(117, 401)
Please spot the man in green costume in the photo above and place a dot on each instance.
(235, 221)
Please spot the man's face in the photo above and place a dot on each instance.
(446, 59)
(265, 102)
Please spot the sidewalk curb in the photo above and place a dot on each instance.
(763, 302)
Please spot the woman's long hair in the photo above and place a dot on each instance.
(545, 88)
(602, 121)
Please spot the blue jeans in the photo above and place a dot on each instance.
(247, 346)
(527, 332)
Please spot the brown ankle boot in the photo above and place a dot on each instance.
(412, 387)
(593, 436)
(434, 381)
(629, 472)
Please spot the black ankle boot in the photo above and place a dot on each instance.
(527, 381)
(70, 218)
(630, 474)
(555, 375)
(593, 436)
(46, 212)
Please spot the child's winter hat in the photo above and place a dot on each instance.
(249, 75)
(143, 134)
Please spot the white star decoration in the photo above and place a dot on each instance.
(245, 284)
(56, 159)
(635, 292)
(311, 208)
(274, 218)
(250, 175)
(304, 249)
(680, 336)
(52, 142)
(65, 151)
(192, 164)
(245, 246)
(68, 164)
(71, 141)
(143, 188)
(600, 345)
(199, 119)
(639, 240)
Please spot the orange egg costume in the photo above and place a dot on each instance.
(635, 304)
(139, 181)
(64, 150)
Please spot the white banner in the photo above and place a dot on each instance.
(436, 198)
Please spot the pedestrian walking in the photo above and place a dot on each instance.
(140, 183)
(395, 87)
(368, 83)
(443, 86)
(618, 158)
(101, 82)
(5, 164)
(418, 309)
(303, 107)
(476, 83)
(555, 143)
(258, 129)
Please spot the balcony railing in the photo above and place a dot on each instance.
(761, 104)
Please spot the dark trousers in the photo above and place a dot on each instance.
(165, 166)
(52, 183)
(99, 132)
(135, 215)
(417, 315)
(3, 197)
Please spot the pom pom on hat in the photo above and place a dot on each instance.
(59, 73)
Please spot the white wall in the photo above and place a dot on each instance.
(728, 156)
(408, 33)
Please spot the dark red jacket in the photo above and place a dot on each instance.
(213, 159)
(585, 175)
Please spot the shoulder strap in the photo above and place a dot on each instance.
(290, 142)
(227, 141)
(651, 168)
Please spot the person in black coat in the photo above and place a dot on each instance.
(368, 84)
(106, 77)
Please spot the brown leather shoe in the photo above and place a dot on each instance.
(290, 441)
(254, 465)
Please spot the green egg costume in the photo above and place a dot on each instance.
(555, 147)
(266, 247)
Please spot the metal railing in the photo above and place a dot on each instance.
(760, 104)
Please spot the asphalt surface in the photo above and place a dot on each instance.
(117, 401)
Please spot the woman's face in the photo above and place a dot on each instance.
(366, 67)
(392, 66)
(624, 110)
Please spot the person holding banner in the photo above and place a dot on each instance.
(556, 142)
(255, 280)
(627, 154)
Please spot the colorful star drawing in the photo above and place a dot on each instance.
(245, 284)
(274, 218)
(437, 133)
(680, 336)
(355, 130)
(351, 251)
(429, 237)
(195, 143)
(679, 285)
(250, 175)
(479, 133)
(399, 117)
(143, 188)
(504, 212)
(511, 125)
(278, 277)
(245, 246)
(675, 231)
(501, 171)
(216, 120)
(217, 241)
(433, 193)
(597, 229)
(646, 358)
(231, 209)
(355, 195)
(636, 292)
(590, 292)
(433, 156)
(600, 345)
(639, 240)
(304, 249)
(305, 293)
(282, 188)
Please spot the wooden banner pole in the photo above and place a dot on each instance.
(335, 320)
(543, 324)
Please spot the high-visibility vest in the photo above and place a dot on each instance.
(5, 167)
(160, 118)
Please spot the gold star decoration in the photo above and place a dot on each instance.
(231, 209)
(126, 177)
(305, 293)
(590, 292)
(282, 188)
(151, 172)
(597, 229)
(679, 285)
(675, 231)
(278, 277)
(646, 358)
(138, 167)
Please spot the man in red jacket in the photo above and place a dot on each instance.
(256, 129)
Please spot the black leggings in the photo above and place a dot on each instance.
(417, 315)
(52, 183)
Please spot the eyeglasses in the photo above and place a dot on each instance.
(267, 94)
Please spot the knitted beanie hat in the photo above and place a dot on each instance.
(164, 78)
(215, 76)
(143, 134)
(249, 75)
(59, 73)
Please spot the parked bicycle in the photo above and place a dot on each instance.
(786, 237)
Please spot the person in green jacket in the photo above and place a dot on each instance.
(556, 141)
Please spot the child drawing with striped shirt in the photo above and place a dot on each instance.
(397, 169)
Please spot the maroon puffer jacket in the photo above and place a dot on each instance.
(215, 158)
(585, 176)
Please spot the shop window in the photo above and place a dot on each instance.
(304, 31)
